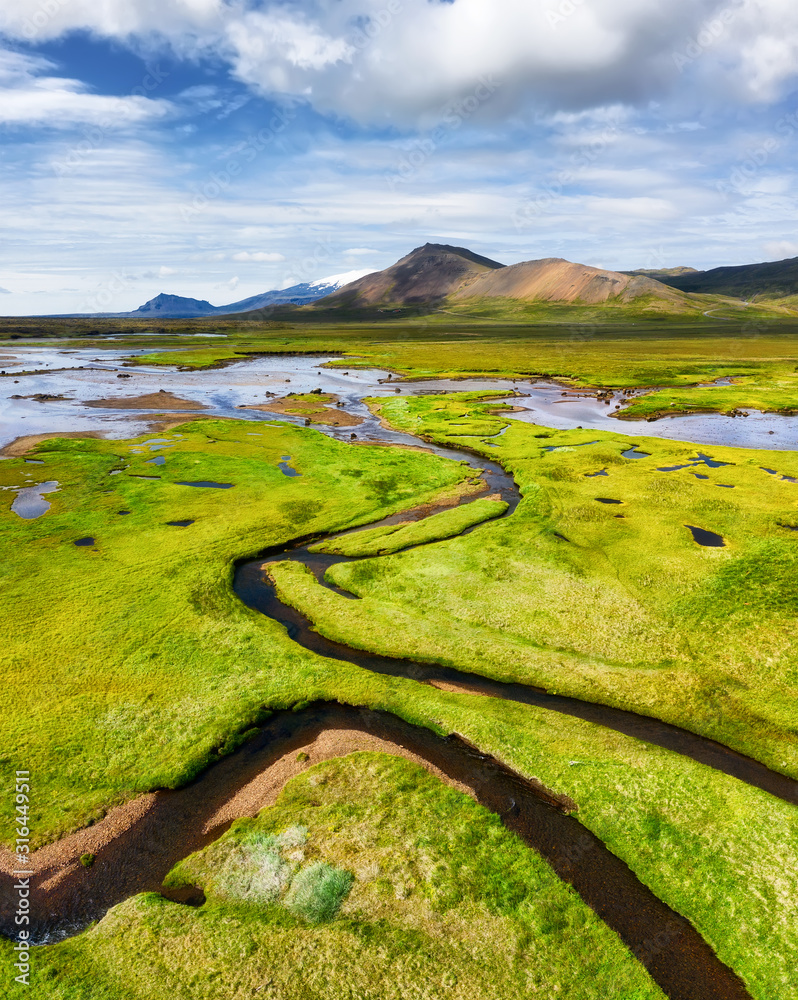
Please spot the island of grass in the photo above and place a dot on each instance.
(316, 407)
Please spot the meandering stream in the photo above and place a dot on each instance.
(180, 822)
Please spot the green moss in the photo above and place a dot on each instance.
(447, 524)
(430, 895)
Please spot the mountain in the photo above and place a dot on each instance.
(428, 274)
(556, 280)
(660, 273)
(437, 271)
(172, 306)
(775, 279)
(178, 307)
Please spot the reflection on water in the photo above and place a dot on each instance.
(30, 503)
(92, 375)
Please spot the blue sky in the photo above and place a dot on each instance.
(218, 149)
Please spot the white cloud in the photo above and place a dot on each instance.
(412, 60)
(780, 249)
(29, 95)
(4, 291)
(359, 252)
(260, 257)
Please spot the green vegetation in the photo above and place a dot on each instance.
(774, 392)
(444, 903)
(131, 664)
(392, 538)
(161, 670)
(610, 602)
(580, 345)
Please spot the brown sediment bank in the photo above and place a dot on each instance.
(316, 411)
(145, 839)
(162, 400)
(22, 445)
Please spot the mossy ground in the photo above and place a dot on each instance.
(134, 665)
(126, 663)
(582, 345)
(444, 903)
(392, 538)
(610, 602)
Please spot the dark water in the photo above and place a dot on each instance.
(707, 538)
(208, 484)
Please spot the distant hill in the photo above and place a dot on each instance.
(660, 273)
(776, 279)
(426, 275)
(165, 306)
(556, 280)
(173, 306)
(436, 272)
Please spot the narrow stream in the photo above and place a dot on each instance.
(253, 587)
(181, 822)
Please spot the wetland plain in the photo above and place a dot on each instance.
(460, 659)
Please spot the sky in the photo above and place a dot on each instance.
(222, 148)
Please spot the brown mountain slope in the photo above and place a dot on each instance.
(428, 274)
(556, 280)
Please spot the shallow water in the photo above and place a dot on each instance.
(93, 374)
(707, 538)
(30, 503)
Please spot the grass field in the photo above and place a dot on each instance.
(444, 903)
(612, 602)
(579, 345)
(159, 670)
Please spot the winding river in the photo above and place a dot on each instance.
(139, 852)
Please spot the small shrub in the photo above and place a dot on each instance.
(87, 860)
(317, 892)
(303, 757)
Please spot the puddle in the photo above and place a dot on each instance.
(286, 469)
(122, 513)
(561, 447)
(634, 453)
(206, 483)
(700, 475)
(33, 461)
(607, 500)
(180, 524)
(132, 476)
(592, 475)
(784, 479)
(30, 503)
(701, 460)
(160, 460)
(726, 486)
(707, 538)
(84, 542)
(789, 527)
